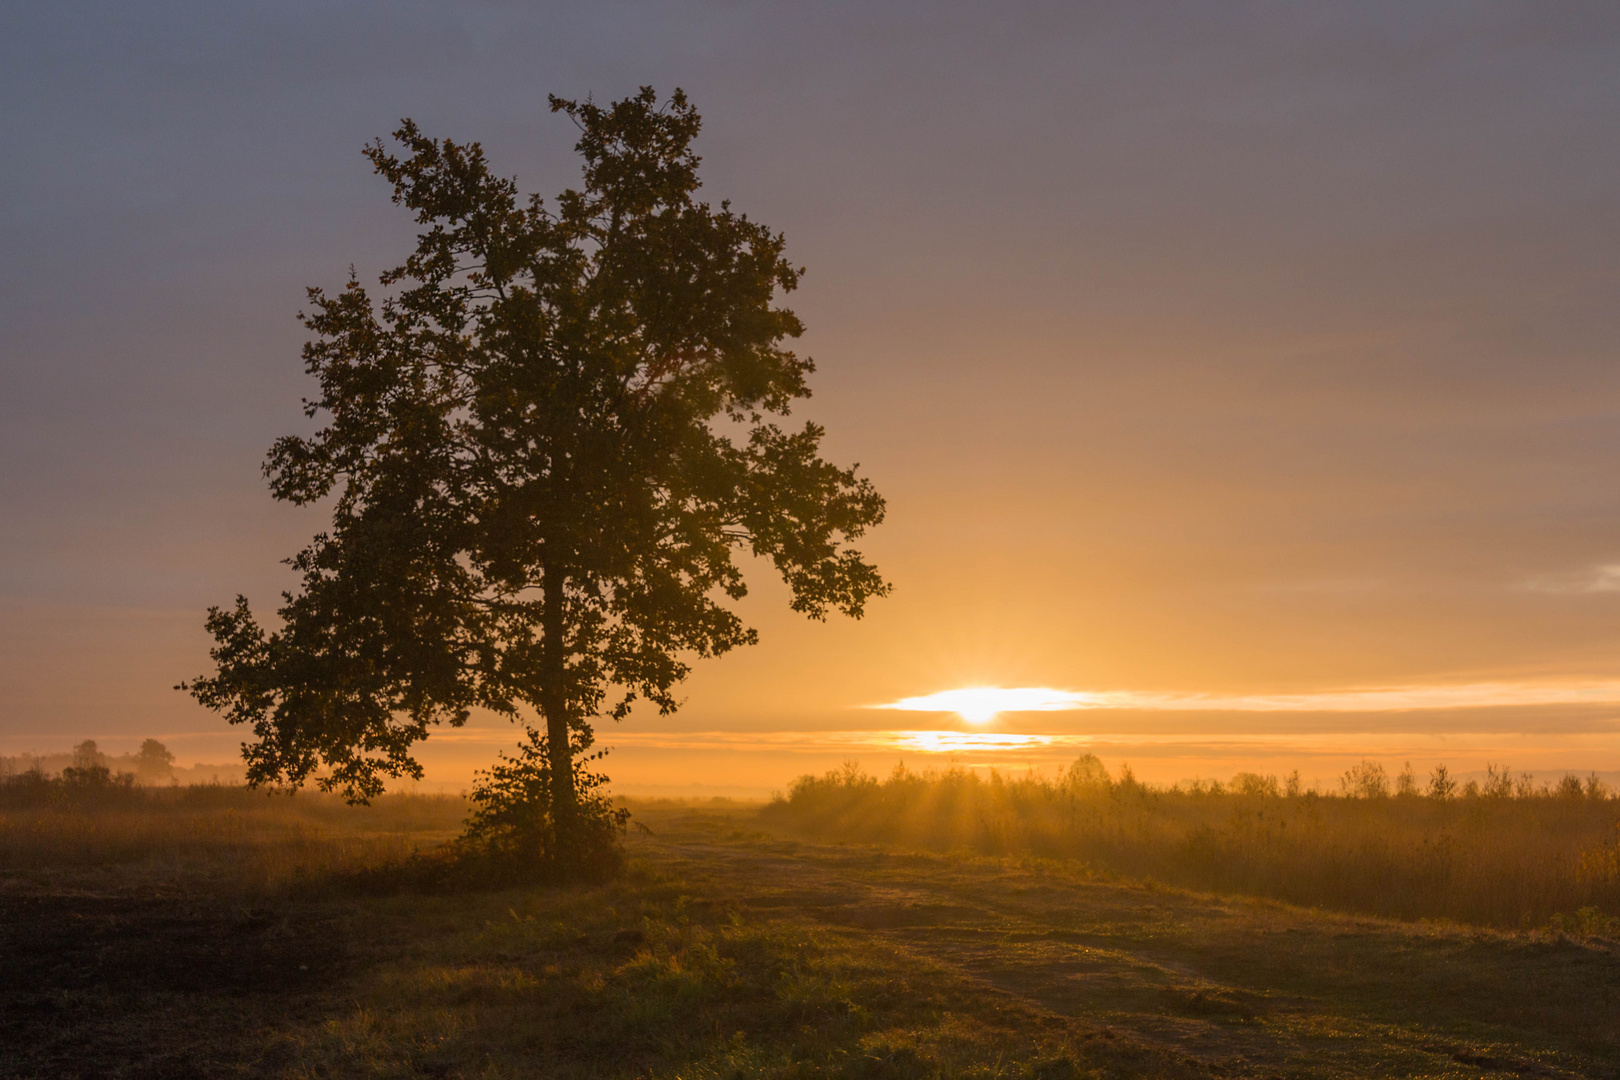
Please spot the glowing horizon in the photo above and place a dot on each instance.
(981, 704)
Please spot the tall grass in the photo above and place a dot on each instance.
(1520, 856)
(234, 836)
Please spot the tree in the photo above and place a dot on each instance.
(154, 760)
(1365, 780)
(1441, 785)
(87, 755)
(1406, 781)
(547, 443)
(89, 769)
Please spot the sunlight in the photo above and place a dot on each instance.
(958, 742)
(981, 704)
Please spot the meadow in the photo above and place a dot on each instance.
(214, 931)
(1509, 853)
(228, 836)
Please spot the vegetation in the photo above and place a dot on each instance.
(510, 836)
(236, 839)
(153, 763)
(1507, 853)
(547, 443)
(725, 953)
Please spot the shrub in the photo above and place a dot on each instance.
(1365, 780)
(1498, 782)
(1248, 783)
(79, 784)
(512, 833)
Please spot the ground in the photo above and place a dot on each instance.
(727, 952)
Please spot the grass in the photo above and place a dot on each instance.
(647, 977)
(1506, 859)
(242, 840)
(726, 951)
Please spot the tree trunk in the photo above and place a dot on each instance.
(554, 704)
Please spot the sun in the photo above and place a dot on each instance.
(978, 704)
(982, 704)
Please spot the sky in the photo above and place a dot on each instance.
(1227, 361)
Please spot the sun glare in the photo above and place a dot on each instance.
(981, 704)
(968, 742)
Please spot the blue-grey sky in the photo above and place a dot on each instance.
(1237, 348)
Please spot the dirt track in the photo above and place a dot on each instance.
(102, 975)
(1238, 986)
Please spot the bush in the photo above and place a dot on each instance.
(512, 834)
(1365, 780)
(1253, 784)
(81, 784)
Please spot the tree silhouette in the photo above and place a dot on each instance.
(548, 440)
(154, 760)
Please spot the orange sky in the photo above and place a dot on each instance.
(1196, 350)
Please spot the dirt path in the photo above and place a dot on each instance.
(1238, 986)
(744, 954)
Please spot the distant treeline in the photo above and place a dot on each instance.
(153, 763)
(1507, 851)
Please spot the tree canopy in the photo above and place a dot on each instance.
(544, 443)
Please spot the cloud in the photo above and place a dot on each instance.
(981, 703)
(1359, 699)
(1597, 579)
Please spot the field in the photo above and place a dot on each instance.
(223, 933)
(1511, 854)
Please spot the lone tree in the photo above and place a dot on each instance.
(154, 761)
(547, 442)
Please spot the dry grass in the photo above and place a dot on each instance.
(724, 953)
(1500, 860)
(238, 839)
